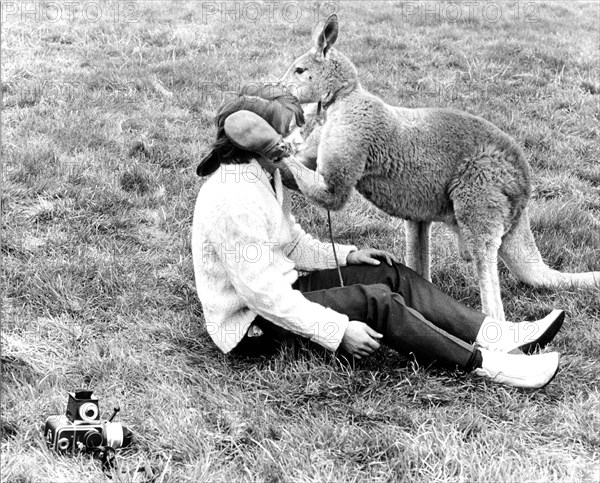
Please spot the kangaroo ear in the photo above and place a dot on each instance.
(326, 34)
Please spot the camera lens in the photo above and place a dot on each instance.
(92, 439)
(113, 433)
(88, 411)
(116, 435)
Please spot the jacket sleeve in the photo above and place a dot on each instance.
(310, 254)
(241, 239)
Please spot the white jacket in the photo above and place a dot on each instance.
(247, 250)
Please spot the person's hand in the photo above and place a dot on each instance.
(360, 340)
(370, 256)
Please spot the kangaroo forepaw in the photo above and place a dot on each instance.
(313, 186)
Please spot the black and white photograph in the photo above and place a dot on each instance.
(300, 241)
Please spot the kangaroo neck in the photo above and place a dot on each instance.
(340, 94)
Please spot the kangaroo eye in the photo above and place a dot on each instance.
(299, 70)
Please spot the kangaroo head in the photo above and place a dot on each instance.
(319, 74)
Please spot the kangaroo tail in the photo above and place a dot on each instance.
(522, 257)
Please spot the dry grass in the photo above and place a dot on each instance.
(103, 123)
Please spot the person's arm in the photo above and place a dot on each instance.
(241, 239)
(310, 254)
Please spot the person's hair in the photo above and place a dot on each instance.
(272, 103)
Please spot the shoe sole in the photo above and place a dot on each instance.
(549, 334)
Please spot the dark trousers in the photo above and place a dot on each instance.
(413, 315)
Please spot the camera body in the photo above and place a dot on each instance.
(81, 429)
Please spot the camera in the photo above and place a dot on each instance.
(81, 429)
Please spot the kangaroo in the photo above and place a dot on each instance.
(421, 165)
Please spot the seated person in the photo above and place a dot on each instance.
(248, 251)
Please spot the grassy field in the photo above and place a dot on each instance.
(107, 108)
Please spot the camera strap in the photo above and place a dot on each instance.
(337, 263)
(320, 111)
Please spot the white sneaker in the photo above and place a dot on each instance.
(519, 370)
(500, 336)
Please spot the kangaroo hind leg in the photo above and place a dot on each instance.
(418, 238)
(484, 249)
(481, 210)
